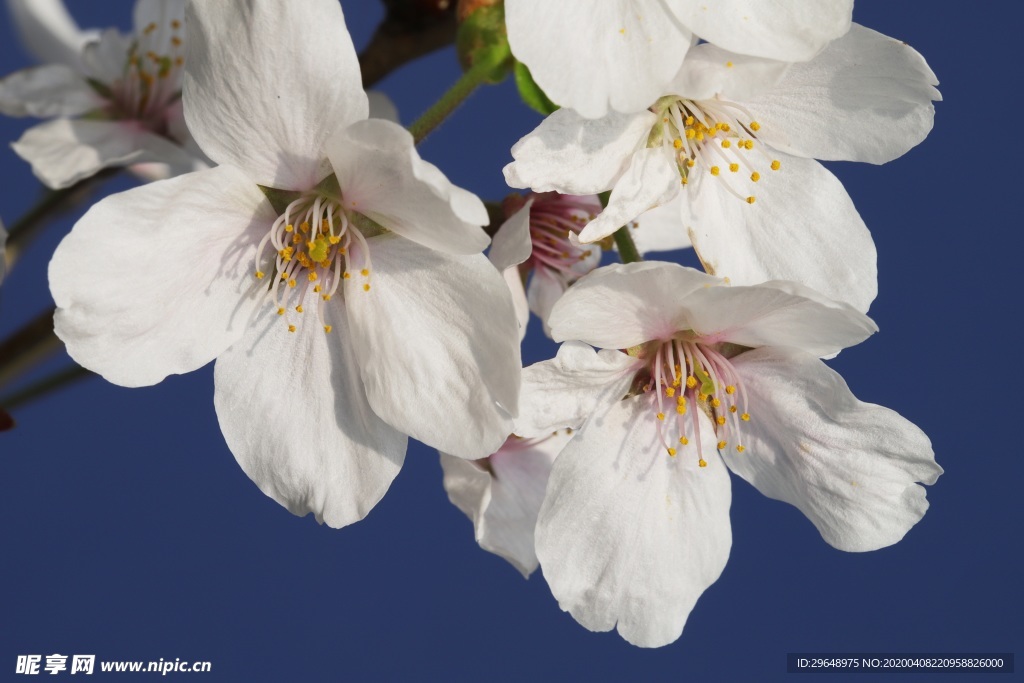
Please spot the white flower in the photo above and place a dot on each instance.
(503, 492)
(738, 135)
(126, 89)
(620, 54)
(533, 243)
(360, 313)
(635, 522)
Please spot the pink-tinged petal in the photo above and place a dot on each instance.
(851, 467)
(47, 30)
(622, 305)
(294, 413)
(777, 314)
(573, 155)
(627, 535)
(382, 176)
(47, 91)
(661, 228)
(268, 83)
(803, 227)
(792, 31)
(64, 151)
(592, 57)
(709, 72)
(159, 280)
(438, 345)
(866, 97)
(503, 494)
(651, 180)
(562, 392)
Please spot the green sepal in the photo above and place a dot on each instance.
(279, 199)
(102, 89)
(481, 39)
(530, 92)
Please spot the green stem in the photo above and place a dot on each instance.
(477, 75)
(628, 253)
(45, 385)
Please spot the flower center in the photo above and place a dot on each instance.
(151, 79)
(683, 377)
(317, 248)
(714, 137)
(551, 221)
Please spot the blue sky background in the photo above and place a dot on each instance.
(128, 531)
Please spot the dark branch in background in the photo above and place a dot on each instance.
(33, 342)
(411, 29)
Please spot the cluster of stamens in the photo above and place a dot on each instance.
(684, 378)
(317, 248)
(552, 218)
(716, 137)
(152, 76)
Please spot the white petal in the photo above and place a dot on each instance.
(866, 97)
(382, 106)
(543, 293)
(159, 280)
(383, 177)
(622, 305)
(661, 228)
(48, 31)
(628, 535)
(47, 91)
(267, 83)
(293, 412)
(651, 180)
(64, 151)
(437, 345)
(792, 31)
(851, 467)
(155, 19)
(709, 72)
(511, 245)
(564, 391)
(503, 497)
(803, 227)
(588, 56)
(105, 58)
(777, 314)
(573, 155)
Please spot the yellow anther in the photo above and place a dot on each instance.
(726, 144)
(681, 400)
(291, 283)
(715, 402)
(298, 309)
(755, 176)
(661, 416)
(670, 391)
(740, 449)
(312, 276)
(755, 126)
(328, 328)
(346, 275)
(327, 297)
(260, 274)
(721, 445)
(178, 61)
(683, 440)
(672, 452)
(725, 127)
(366, 287)
(175, 41)
(690, 163)
(701, 396)
(745, 417)
(776, 165)
(720, 419)
(749, 144)
(691, 382)
(284, 276)
(280, 311)
(175, 24)
(334, 240)
(732, 409)
(676, 383)
(316, 289)
(364, 272)
(689, 121)
(700, 135)
(677, 143)
(734, 167)
(291, 328)
(690, 133)
(702, 462)
(715, 170)
(681, 409)
(729, 64)
(684, 181)
(149, 28)
(730, 389)
(751, 199)
(304, 227)
(289, 228)
(342, 251)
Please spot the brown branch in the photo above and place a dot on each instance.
(411, 29)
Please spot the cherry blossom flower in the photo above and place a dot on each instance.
(114, 99)
(533, 244)
(621, 54)
(355, 312)
(635, 522)
(737, 136)
(503, 492)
